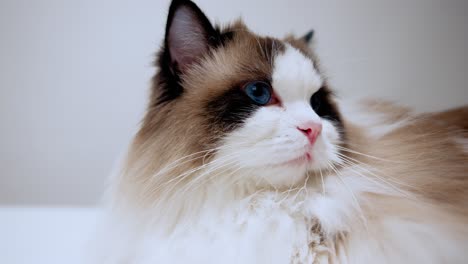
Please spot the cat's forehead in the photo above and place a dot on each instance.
(246, 57)
(294, 75)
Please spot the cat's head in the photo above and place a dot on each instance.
(254, 105)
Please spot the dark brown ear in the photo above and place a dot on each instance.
(307, 38)
(189, 34)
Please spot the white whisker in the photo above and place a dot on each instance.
(356, 202)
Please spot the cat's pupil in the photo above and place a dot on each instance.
(256, 91)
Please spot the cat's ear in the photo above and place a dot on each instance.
(308, 37)
(189, 34)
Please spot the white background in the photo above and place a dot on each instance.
(74, 74)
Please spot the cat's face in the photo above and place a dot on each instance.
(258, 106)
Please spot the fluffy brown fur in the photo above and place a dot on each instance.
(421, 157)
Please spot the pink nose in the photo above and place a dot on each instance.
(311, 130)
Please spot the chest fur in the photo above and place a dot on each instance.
(270, 233)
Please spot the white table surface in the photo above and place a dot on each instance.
(46, 235)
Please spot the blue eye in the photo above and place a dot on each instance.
(258, 92)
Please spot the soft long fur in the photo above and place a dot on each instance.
(213, 178)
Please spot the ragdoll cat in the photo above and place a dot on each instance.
(245, 156)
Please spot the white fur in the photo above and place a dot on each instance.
(294, 76)
(270, 227)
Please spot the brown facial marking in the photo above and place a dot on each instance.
(213, 102)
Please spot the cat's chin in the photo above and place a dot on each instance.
(303, 160)
(282, 175)
(287, 174)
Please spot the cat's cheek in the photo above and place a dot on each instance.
(330, 132)
(260, 126)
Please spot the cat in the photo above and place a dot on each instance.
(245, 155)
